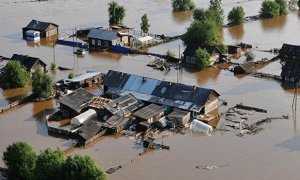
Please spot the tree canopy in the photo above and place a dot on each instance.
(202, 32)
(145, 24)
(269, 9)
(49, 164)
(282, 6)
(14, 75)
(299, 4)
(81, 167)
(236, 15)
(20, 161)
(202, 58)
(41, 84)
(183, 5)
(217, 12)
(116, 13)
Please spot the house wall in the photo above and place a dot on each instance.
(211, 105)
(97, 44)
(38, 65)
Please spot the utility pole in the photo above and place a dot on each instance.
(54, 51)
(178, 61)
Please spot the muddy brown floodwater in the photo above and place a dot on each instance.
(272, 154)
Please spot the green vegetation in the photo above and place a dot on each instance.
(71, 75)
(41, 84)
(53, 66)
(217, 12)
(299, 4)
(145, 24)
(203, 32)
(202, 58)
(236, 15)
(282, 6)
(170, 53)
(14, 75)
(116, 13)
(269, 9)
(183, 5)
(81, 167)
(249, 55)
(23, 163)
(222, 47)
(19, 159)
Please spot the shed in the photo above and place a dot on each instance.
(85, 80)
(234, 50)
(247, 67)
(74, 103)
(179, 117)
(30, 63)
(150, 113)
(116, 124)
(83, 117)
(46, 29)
(100, 39)
(90, 131)
(143, 40)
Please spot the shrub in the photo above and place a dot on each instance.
(202, 58)
(182, 5)
(269, 9)
(14, 75)
(236, 15)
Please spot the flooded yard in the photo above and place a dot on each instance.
(271, 154)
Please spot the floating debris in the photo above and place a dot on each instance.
(113, 169)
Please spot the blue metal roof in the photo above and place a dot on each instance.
(102, 34)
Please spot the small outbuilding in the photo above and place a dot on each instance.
(179, 117)
(90, 131)
(46, 29)
(245, 68)
(84, 80)
(236, 50)
(150, 113)
(30, 63)
(101, 39)
(83, 117)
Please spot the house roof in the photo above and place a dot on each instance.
(84, 76)
(247, 66)
(39, 25)
(291, 70)
(102, 34)
(123, 105)
(77, 100)
(178, 114)
(190, 50)
(149, 111)
(156, 91)
(289, 51)
(27, 61)
(145, 39)
(89, 130)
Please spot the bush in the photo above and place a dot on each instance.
(269, 9)
(282, 6)
(170, 53)
(299, 4)
(249, 55)
(183, 5)
(202, 58)
(223, 48)
(41, 84)
(53, 66)
(202, 32)
(14, 75)
(236, 15)
(71, 75)
(19, 159)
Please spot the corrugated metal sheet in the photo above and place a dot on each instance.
(102, 34)
(84, 76)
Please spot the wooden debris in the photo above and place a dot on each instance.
(249, 108)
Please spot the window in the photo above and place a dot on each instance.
(99, 42)
(193, 60)
(187, 59)
(93, 42)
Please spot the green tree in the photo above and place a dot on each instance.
(269, 9)
(14, 75)
(299, 4)
(20, 161)
(71, 75)
(116, 13)
(49, 165)
(53, 66)
(41, 84)
(202, 32)
(282, 6)
(217, 12)
(223, 48)
(202, 58)
(145, 24)
(81, 167)
(236, 15)
(183, 5)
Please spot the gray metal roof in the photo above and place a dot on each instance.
(84, 76)
(159, 92)
(149, 111)
(102, 34)
(39, 25)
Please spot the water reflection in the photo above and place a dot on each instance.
(207, 75)
(182, 17)
(236, 32)
(277, 22)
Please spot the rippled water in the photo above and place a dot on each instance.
(271, 154)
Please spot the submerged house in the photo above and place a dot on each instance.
(170, 95)
(289, 52)
(30, 63)
(150, 113)
(189, 58)
(45, 29)
(245, 68)
(101, 39)
(75, 103)
(84, 80)
(291, 72)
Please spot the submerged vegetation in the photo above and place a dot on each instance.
(116, 13)
(41, 84)
(236, 15)
(269, 9)
(183, 5)
(23, 163)
(145, 24)
(202, 58)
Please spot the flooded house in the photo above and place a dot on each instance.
(179, 117)
(189, 54)
(150, 113)
(75, 103)
(170, 95)
(45, 29)
(244, 68)
(30, 63)
(289, 52)
(234, 50)
(102, 39)
(83, 80)
(90, 131)
(291, 72)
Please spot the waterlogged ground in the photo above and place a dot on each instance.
(271, 154)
